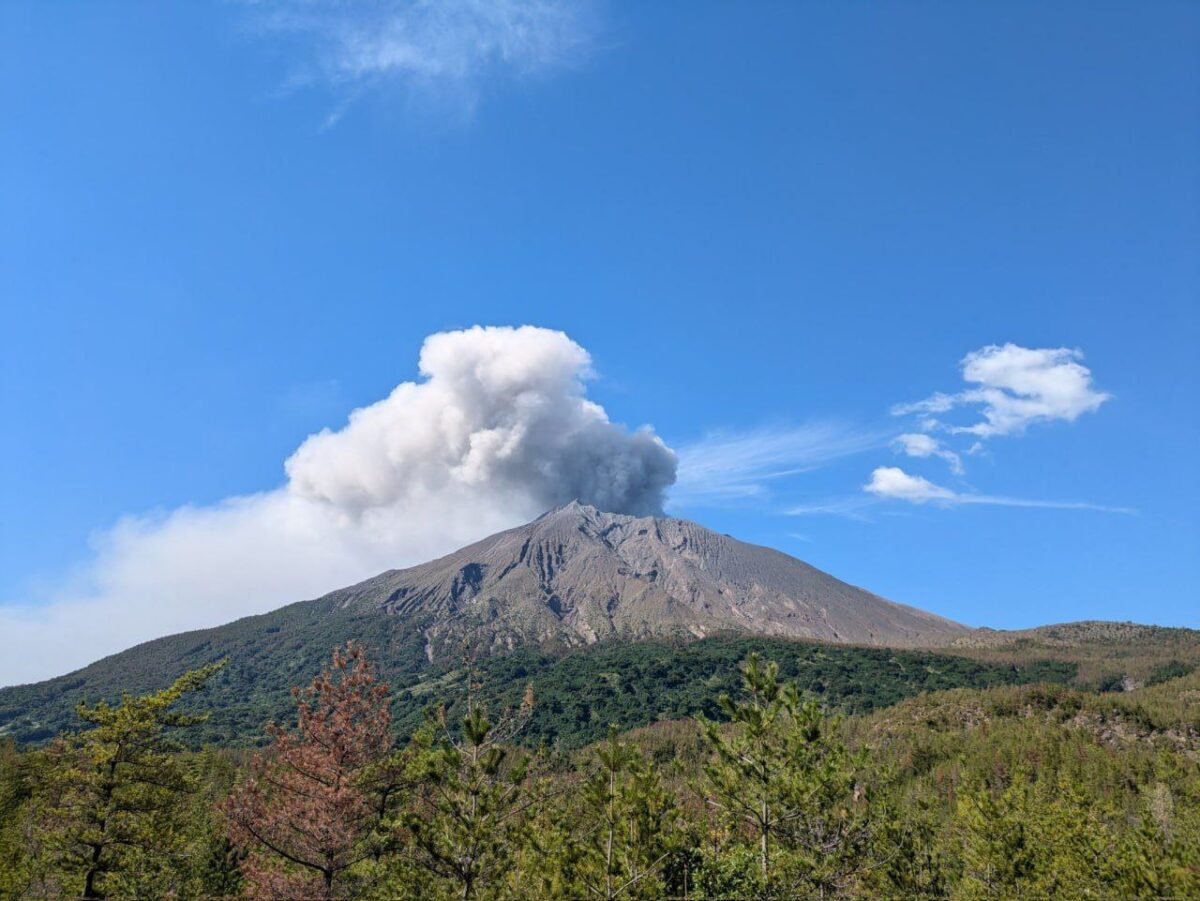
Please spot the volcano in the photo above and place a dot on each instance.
(577, 575)
(574, 577)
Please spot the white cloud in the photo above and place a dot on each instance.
(1017, 386)
(729, 466)
(498, 430)
(917, 444)
(445, 48)
(893, 483)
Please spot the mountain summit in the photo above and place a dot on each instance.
(577, 575)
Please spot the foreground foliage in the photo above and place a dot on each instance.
(315, 802)
(1013, 791)
(106, 811)
(466, 813)
(781, 775)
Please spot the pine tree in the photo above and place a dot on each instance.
(214, 862)
(780, 772)
(912, 864)
(1157, 863)
(466, 823)
(111, 799)
(217, 868)
(551, 857)
(307, 816)
(999, 854)
(19, 834)
(629, 817)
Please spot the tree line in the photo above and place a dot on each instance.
(775, 800)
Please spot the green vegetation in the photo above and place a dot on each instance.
(1012, 790)
(578, 694)
(464, 827)
(637, 821)
(1045, 791)
(781, 774)
(267, 655)
(107, 812)
(1165, 672)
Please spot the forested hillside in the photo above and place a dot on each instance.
(1031, 790)
(579, 694)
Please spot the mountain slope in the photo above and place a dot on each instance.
(576, 576)
(573, 577)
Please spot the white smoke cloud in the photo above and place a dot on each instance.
(498, 431)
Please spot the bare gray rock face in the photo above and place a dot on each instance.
(577, 575)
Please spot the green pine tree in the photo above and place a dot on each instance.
(999, 852)
(628, 817)
(912, 864)
(780, 773)
(111, 804)
(465, 825)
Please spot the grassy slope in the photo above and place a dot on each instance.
(1165, 715)
(1107, 653)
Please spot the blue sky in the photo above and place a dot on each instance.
(226, 225)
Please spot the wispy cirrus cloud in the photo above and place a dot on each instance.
(727, 466)
(891, 483)
(445, 50)
(851, 507)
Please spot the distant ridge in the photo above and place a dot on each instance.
(1074, 634)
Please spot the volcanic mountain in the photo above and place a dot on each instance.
(574, 577)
